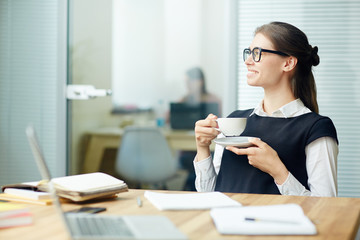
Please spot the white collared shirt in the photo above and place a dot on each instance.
(321, 161)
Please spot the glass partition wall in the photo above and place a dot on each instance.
(142, 50)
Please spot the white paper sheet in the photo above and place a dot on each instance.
(189, 201)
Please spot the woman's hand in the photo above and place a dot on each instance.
(265, 158)
(205, 132)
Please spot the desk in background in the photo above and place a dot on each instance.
(335, 218)
(104, 138)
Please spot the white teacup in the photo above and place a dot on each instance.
(231, 127)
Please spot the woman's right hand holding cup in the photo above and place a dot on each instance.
(205, 132)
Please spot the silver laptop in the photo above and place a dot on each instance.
(91, 226)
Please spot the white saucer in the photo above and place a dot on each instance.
(234, 141)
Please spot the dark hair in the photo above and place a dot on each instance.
(196, 73)
(291, 40)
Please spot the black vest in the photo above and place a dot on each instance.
(287, 136)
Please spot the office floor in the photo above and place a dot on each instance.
(108, 166)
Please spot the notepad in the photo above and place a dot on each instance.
(189, 201)
(284, 219)
(25, 193)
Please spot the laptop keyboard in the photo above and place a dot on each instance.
(91, 225)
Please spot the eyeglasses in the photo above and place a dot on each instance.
(256, 53)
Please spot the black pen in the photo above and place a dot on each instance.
(252, 219)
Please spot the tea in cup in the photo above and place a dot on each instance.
(231, 127)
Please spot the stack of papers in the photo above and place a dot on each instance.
(26, 192)
(284, 219)
(77, 188)
(87, 186)
(189, 201)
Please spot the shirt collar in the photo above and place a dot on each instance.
(291, 109)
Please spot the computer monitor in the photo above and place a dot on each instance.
(184, 115)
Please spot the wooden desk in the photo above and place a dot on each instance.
(335, 218)
(104, 138)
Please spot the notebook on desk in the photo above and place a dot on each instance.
(281, 219)
(184, 116)
(90, 226)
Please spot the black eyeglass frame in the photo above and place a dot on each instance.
(260, 51)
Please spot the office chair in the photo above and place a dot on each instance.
(144, 157)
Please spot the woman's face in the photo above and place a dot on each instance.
(266, 73)
(194, 86)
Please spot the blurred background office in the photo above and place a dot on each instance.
(140, 50)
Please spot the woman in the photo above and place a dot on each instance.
(197, 92)
(294, 148)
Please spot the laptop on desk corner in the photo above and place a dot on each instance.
(90, 226)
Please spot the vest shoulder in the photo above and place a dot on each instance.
(241, 113)
(324, 126)
(318, 119)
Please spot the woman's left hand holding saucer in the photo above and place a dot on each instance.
(263, 157)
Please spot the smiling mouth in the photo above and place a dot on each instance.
(251, 72)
